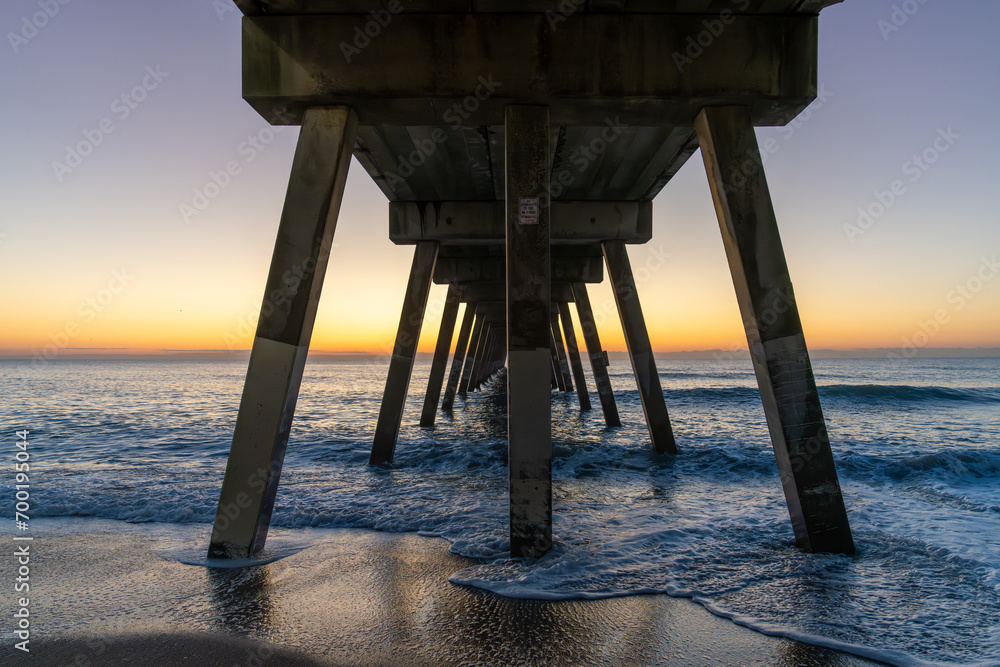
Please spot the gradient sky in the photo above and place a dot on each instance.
(110, 231)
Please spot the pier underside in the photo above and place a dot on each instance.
(520, 147)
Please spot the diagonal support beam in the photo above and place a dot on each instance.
(596, 353)
(302, 249)
(640, 351)
(470, 357)
(485, 339)
(440, 360)
(574, 356)
(774, 330)
(404, 351)
(557, 339)
(460, 350)
(558, 379)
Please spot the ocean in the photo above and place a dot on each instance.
(917, 445)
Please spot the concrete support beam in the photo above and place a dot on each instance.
(493, 293)
(482, 222)
(489, 365)
(557, 339)
(528, 303)
(774, 331)
(573, 350)
(403, 353)
(305, 236)
(499, 344)
(640, 351)
(480, 359)
(558, 379)
(461, 348)
(501, 359)
(265, 7)
(596, 354)
(626, 72)
(440, 360)
(477, 331)
(484, 362)
(465, 270)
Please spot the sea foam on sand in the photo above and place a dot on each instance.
(117, 593)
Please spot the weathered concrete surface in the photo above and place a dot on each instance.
(404, 351)
(573, 350)
(627, 70)
(558, 7)
(441, 349)
(611, 161)
(257, 7)
(463, 270)
(639, 349)
(301, 252)
(477, 331)
(461, 348)
(528, 303)
(558, 378)
(479, 358)
(561, 356)
(596, 353)
(468, 223)
(490, 359)
(774, 331)
(492, 294)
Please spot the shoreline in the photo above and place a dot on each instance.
(341, 597)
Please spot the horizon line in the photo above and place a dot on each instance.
(141, 354)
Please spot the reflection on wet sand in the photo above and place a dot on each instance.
(358, 598)
(242, 600)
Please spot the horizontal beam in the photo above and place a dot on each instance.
(496, 293)
(464, 69)
(471, 223)
(257, 7)
(453, 270)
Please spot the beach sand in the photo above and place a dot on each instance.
(111, 593)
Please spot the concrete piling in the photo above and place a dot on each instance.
(528, 329)
(461, 347)
(440, 360)
(404, 351)
(561, 356)
(640, 351)
(305, 236)
(774, 331)
(596, 353)
(573, 350)
(477, 331)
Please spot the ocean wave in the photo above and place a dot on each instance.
(909, 394)
(868, 393)
(721, 394)
(958, 467)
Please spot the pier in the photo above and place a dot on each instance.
(520, 145)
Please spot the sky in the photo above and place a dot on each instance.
(884, 191)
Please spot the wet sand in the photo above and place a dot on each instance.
(108, 593)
